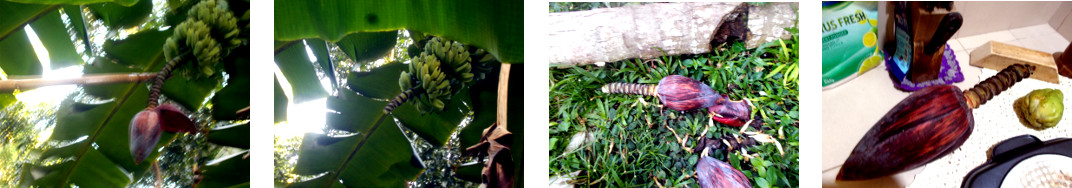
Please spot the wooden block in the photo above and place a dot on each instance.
(996, 55)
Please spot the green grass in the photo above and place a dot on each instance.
(633, 146)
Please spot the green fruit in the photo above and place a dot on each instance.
(217, 15)
(194, 37)
(429, 80)
(1040, 109)
(404, 81)
(453, 55)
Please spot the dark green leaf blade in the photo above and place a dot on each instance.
(139, 49)
(280, 102)
(232, 98)
(378, 155)
(190, 94)
(488, 24)
(363, 47)
(435, 127)
(17, 15)
(320, 50)
(233, 135)
(17, 56)
(53, 35)
(362, 111)
(77, 2)
(235, 95)
(380, 82)
(117, 15)
(137, 53)
(227, 171)
(296, 67)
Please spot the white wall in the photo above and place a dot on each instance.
(985, 17)
(1062, 20)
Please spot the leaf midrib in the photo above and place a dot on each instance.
(353, 151)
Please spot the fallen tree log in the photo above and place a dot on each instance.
(614, 34)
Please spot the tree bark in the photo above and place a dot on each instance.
(614, 34)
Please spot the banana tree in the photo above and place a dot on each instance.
(91, 144)
(449, 77)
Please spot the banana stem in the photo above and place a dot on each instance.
(158, 81)
(629, 88)
(400, 99)
(32, 83)
(987, 89)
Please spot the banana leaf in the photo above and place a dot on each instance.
(378, 155)
(496, 26)
(229, 171)
(90, 140)
(294, 62)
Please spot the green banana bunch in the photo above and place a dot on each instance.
(454, 55)
(209, 32)
(424, 74)
(217, 15)
(1040, 109)
(194, 36)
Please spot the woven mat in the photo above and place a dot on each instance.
(995, 121)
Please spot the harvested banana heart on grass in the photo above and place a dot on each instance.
(683, 93)
(927, 125)
(711, 172)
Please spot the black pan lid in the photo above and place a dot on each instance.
(1007, 154)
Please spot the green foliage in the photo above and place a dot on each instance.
(495, 26)
(119, 15)
(53, 35)
(396, 148)
(88, 145)
(365, 47)
(634, 144)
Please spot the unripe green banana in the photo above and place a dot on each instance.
(453, 55)
(438, 104)
(217, 15)
(209, 32)
(404, 81)
(431, 82)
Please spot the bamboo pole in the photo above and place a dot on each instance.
(25, 84)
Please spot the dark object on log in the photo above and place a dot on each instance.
(927, 125)
(712, 173)
(683, 94)
(734, 27)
